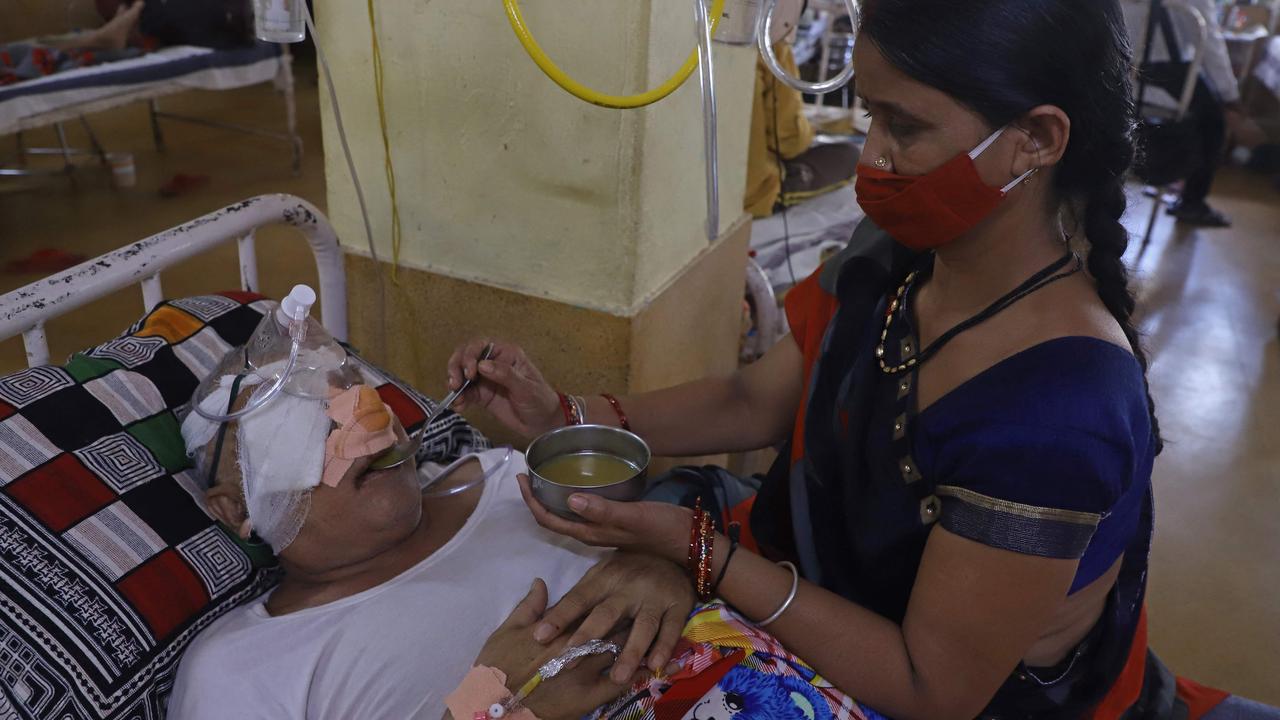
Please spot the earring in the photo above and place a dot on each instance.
(882, 163)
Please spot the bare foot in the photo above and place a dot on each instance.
(115, 34)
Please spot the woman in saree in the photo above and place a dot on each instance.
(960, 521)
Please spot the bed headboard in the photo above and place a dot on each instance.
(26, 310)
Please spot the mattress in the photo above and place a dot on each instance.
(39, 102)
(791, 251)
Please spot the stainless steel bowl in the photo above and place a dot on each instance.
(577, 439)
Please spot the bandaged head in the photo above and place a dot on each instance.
(294, 444)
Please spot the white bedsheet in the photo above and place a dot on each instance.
(817, 225)
(35, 110)
(1268, 70)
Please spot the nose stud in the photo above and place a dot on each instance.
(882, 163)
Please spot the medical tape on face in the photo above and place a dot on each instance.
(365, 428)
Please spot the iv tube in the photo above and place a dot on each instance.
(707, 22)
(764, 26)
(710, 123)
(342, 136)
(582, 92)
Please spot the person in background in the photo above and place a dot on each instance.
(218, 24)
(38, 57)
(1215, 105)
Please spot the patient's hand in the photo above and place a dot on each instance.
(512, 649)
(650, 594)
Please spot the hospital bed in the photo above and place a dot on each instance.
(790, 248)
(75, 94)
(109, 565)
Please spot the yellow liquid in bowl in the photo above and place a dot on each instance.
(587, 470)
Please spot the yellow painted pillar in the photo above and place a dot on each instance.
(527, 214)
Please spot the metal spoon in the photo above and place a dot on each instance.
(452, 397)
(399, 456)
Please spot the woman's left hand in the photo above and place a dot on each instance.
(646, 527)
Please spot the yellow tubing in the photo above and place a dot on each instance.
(577, 89)
(389, 166)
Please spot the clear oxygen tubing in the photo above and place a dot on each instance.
(297, 334)
(582, 92)
(342, 136)
(484, 477)
(355, 175)
(764, 28)
(710, 122)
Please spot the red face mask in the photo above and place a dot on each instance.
(928, 211)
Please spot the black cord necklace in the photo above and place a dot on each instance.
(1039, 281)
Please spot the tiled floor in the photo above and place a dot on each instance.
(1210, 302)
(91, 217)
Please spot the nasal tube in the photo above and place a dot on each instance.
(429, 491)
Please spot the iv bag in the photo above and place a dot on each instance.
(280, 21)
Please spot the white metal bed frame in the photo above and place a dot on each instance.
(770, 323)
(26, 310)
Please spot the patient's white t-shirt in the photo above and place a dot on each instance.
(392, 652)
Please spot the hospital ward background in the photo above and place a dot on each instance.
(438, 177)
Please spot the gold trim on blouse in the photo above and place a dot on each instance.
(1030, 512)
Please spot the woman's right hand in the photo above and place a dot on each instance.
(570, 695)
(508, 386)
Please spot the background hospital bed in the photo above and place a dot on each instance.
(72, 95)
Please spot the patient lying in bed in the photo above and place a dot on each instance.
(388, 594)
(132, 27)
(38, 57)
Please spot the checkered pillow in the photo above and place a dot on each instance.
(109, 564)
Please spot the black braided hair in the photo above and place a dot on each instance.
(1002, 58)
(1108, 240)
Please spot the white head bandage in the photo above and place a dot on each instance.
(292, 444)
(281, 454)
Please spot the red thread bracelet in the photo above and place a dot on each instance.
(702, 582)
(617, 408)
(701, 549)
(568, 410)
(691, 563)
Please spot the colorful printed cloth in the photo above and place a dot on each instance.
(30, 59)
(732, 670)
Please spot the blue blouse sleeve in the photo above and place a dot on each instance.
(1037, 454)
(1032, 490)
